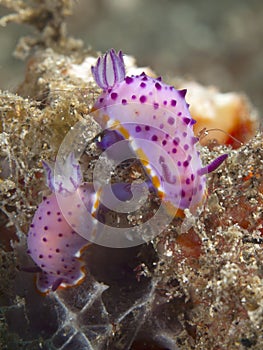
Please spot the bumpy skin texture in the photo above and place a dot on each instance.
(155, 118)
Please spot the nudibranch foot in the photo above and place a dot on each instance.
(47, 282)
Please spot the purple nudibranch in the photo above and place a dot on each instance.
(155, 118)
(54, 241)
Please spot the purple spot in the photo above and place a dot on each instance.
(40, 256)
(164, 142)
(154, 138)
(171, 120)
(147, 128)
(174, 150)
(124, 101)
(186, 147)
(44, 198)
(159, 78)
(49, 256)
(60, 235)
(40, 218)
(134, 97)
(57, 250)
(179, 114)
(200, 187)
(45, 228)
(144, 78)
(44, 239)
(183, 193)
(32, 225)
(48, 212)
(58, 213)
(173, 103)
(176, 141)
(78, 205)
(158, 86)
(179, 163)
(48, 202)
(65, 266)
(138, 128)
(165, 102)
(161, 126)
(187, 120)
(185, 163)
(114, 95)
(184, 134)
(143, 85)
(59, 219)
(143, 99)
(192, 177)
(101, 99)
(156, 105)
(128, 80)
(67, 245)
(187, 181)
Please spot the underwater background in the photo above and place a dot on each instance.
(209, 41)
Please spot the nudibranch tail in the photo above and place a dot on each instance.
(213, 165)
(109, 69)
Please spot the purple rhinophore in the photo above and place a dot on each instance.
(213, 165)
(64, 176)
(109, 70)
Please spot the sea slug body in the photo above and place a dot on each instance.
(64, 224)
(155, 118)
(53, 240)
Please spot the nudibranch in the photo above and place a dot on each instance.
(155, 118)
(53, 240)
(64, 224)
